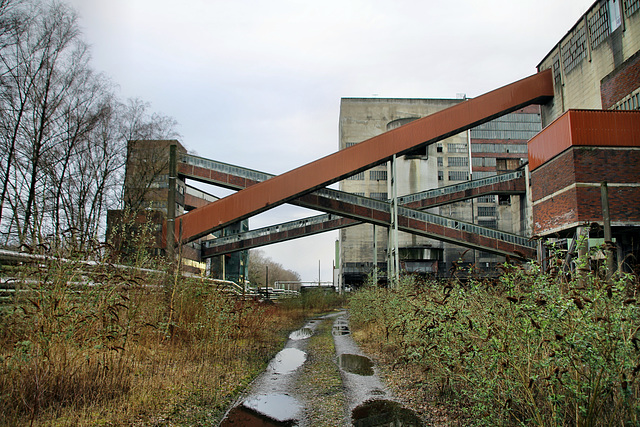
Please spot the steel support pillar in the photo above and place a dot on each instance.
(393, 261)
(171, 203)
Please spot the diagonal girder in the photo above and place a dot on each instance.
(335, 167)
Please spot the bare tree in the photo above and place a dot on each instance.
(63, 132)
(258, 263)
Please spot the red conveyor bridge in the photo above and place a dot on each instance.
(304, 186)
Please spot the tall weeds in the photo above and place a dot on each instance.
(530, 349)
(80, 343)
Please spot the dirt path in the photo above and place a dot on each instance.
(321, 378)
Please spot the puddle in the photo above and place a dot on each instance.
(384, 413)
(287, 361)
(341, 327)
(356, 364)
(264, 411)
(301, 334)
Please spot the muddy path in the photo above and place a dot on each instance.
(320, 378)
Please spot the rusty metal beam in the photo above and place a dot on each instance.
(344, 163)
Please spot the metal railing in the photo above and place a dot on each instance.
(224, 168)
(366, 202)
(468, 185)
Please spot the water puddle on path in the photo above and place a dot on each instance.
(384, 413)
(356, 364)
(287, 361)
(341, 327)
(264, 411)
(301, 334)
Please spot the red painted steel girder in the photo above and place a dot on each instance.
(359, 157)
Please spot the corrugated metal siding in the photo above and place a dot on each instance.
(585, 128)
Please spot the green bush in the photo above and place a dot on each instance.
(525, 350)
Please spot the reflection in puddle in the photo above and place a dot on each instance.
(287, 360)
(264, 411)
(341, 327)
(356, 364)
(301, 334)
(383, 413)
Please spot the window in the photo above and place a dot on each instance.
(458, 161)
(489, 223)
(456, 148)
(379, 196)
(504, 199)
(487, 199)
(440, 163)
(480, 175)
(486, 211)
(439, 147)
(357, 177)
(378, 175)
(440, 175)
(458, 176)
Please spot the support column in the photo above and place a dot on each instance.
(608, 240)
(171, 202)
(582, 236)
(375, 256)
(394, 261)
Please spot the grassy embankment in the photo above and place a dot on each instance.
(130, 348)
(529, 349)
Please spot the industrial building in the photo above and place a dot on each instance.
(595, 66)
(545, 161)
(499, 146)
(146, 196)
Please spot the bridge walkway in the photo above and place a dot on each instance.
(257, 198)
(354, 209)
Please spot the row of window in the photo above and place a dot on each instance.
(499, 148)
(602, 20)
(375, 175)
(484, 161)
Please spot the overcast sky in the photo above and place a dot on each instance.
(258, 83)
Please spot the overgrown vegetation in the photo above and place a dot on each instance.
(528, 349)
(99, 344)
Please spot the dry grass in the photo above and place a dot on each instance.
(128, 349)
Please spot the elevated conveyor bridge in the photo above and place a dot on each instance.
(348, 209)
(306, 182)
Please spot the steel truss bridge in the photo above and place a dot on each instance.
(305, 186)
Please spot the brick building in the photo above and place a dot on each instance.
(596, 66)
(146, 194)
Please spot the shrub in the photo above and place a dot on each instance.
(525, 350)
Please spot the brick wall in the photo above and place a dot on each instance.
(621, 82)
(574, 177)
(581, 204)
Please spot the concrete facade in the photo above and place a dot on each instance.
(596, 64)
(364, 118)
(496, 147)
